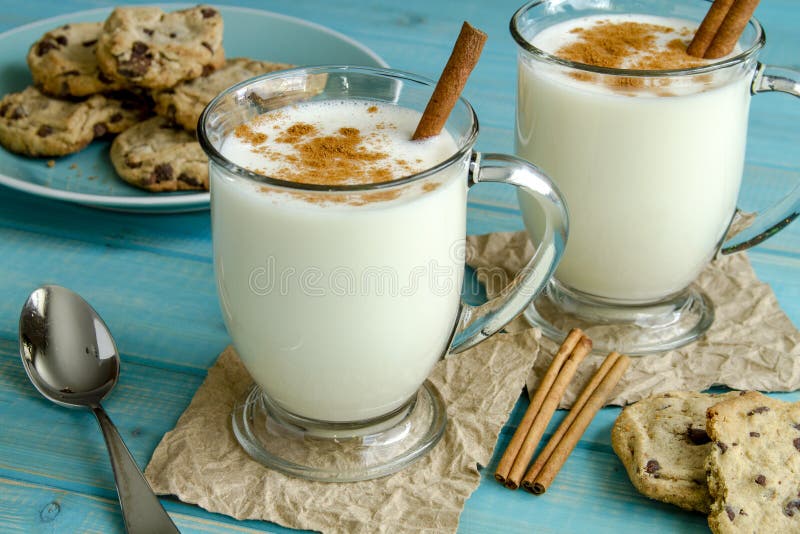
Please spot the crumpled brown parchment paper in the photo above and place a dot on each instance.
(201, 462)
(752, 344)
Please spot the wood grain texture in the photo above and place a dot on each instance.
(151, 277)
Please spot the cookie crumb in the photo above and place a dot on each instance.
(51, 163)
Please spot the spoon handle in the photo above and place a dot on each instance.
(141, 509)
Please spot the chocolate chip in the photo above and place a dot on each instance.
(90, 42)
(189, 180)
(138, 63)
(796, 426)
(791, 507)
(208, 47)
(4, 108)
(65, 27)
(62, 40)
(796, 443)
(129, 104)
(18, 113)
(173, 35)
(207, 69)
(148, 31)
(722, 447)
(100, 129)
(116, 117)
(730, 512)
(163, 172)
(761, 480)
(208, 12)
(44, 46)
(71, 73)
(760, 409)
(652, 466)
(698, 436)
(139, 48)
(755, 434)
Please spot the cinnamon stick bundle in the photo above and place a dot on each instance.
(523, 443)
(551, 389)
(721, 28)
(580, 402)
(594, 396)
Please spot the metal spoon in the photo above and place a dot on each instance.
(71, 358)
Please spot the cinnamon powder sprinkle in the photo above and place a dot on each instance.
(629, 45)
(336, 159)
(344, 157)
(246, 134)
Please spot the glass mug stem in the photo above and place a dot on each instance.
(770, 221)
(476, 323)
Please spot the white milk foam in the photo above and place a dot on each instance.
(383, 129)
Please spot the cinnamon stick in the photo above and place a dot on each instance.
(731, 28)
(513, 447)
(462, 60)
(708, 28)
(549, 405)
(597, 400)
(580, 402)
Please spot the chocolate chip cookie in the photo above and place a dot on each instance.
(185, 102)
(156, 156)
(754, 465)
(147, 47)
(662, 442)
(63, 62)
(36, 124)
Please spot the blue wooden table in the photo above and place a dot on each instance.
(151, 278)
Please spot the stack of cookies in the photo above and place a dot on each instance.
(143, 76)
(734, 456)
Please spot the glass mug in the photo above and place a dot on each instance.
(650, 164)
(340, 364)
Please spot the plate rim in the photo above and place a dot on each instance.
(201, 199)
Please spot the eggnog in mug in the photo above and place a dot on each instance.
(650, 167)
(339, 304)
(339, 259)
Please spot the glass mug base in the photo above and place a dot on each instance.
(633, 330)
(339, 452)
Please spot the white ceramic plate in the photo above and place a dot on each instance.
(88, 176)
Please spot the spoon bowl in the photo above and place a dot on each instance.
(71, 358)
(66, 348)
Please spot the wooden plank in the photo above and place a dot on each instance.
(31, 508)
(145, 404)
(160, 309)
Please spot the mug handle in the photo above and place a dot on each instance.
(770, 221)
(476, 323)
